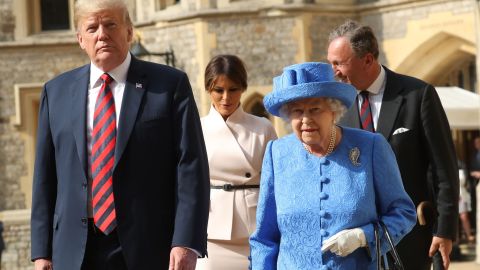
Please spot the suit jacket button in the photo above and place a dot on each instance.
(248, 175)
(84, 221)
(84, 185)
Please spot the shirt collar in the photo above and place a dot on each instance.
(377, 85)
(119, 74)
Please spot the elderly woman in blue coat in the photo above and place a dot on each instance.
(324, 187)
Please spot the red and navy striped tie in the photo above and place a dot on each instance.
(103, 153)
(366, 118)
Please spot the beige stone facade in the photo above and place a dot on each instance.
(434, 40)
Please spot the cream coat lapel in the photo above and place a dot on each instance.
(224, 149)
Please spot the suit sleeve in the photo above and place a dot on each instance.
(443, 161)
(265, 241)
(192, 181)
(394, 207)
(44, 187)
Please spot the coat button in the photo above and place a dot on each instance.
(322, 213)
(323, 161)
(324, 179)
(84, 185)
(248, 175)
(323, 196)
(84, 221)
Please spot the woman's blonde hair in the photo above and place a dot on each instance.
(85, 7)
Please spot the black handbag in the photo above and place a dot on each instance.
(397, 263)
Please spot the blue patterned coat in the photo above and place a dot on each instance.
(305, 199)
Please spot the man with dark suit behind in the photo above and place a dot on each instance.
(121, 175)
(408, 112)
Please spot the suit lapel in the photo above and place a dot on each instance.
(351, 118)
(391, 103)
(79, 90)
(132, 97)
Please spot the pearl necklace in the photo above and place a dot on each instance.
(331, 143)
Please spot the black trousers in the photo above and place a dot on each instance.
(413, 248)
(103, 252)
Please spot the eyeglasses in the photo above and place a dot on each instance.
(344, 63)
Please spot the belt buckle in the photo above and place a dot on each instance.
(228, 187)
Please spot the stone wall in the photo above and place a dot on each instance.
(393, 24)
(23, 64)
(320, 28)
(265, 40)
(265, 44)
(180, 38)
(16, 236)
(35, 64)
(7, 20)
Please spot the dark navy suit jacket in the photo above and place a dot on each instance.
(160, 174)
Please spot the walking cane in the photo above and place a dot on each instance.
(425, 215)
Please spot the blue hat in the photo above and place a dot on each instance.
(307, 80)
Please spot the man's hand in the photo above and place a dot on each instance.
(475, 174)
(443, 245)
(43, 264)
(182, 259)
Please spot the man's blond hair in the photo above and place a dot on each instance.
(84, 8)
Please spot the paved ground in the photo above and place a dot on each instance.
(471, 265)
(467, 259)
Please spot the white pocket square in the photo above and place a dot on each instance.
(400, 130)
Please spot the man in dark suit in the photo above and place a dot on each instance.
(408, 112)
(121, 175)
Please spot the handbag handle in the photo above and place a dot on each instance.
(396, 259)
(377, 246)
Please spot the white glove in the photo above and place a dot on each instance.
(345, 242)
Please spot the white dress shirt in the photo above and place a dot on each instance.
(117, 86)
(375, 96)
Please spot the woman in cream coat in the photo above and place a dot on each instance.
(235, 142)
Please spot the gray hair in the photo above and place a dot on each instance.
(335, 105)
(361, 38)
(85, 7)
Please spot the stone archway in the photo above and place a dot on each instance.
(437, 56)
(254, 104)
(436, 61)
